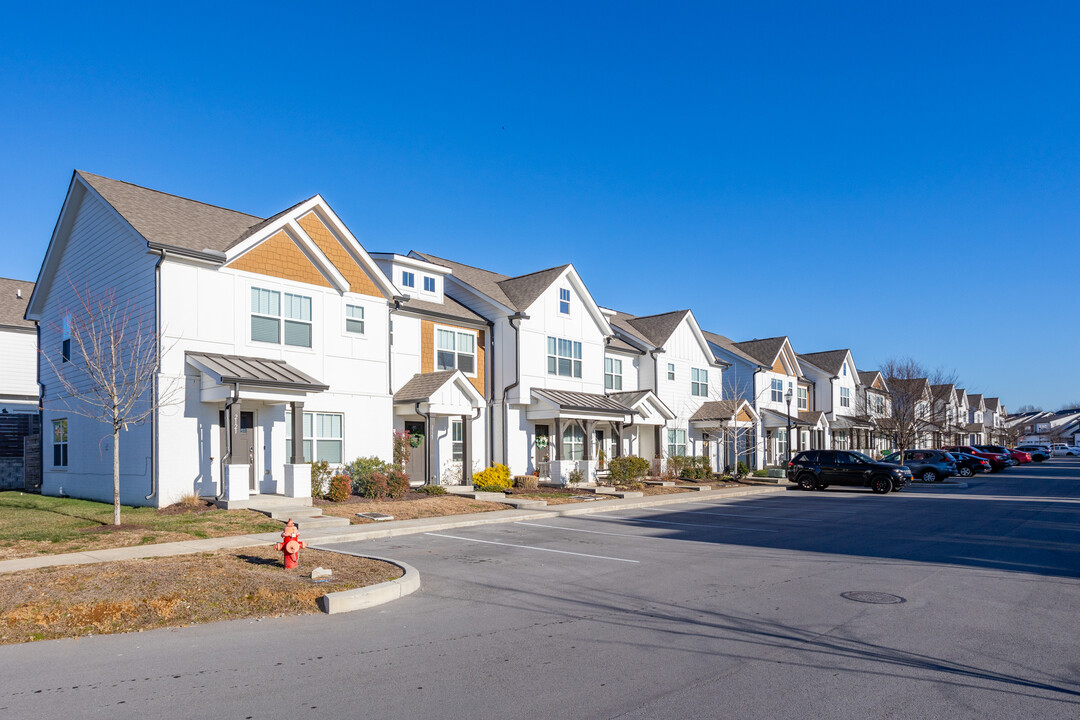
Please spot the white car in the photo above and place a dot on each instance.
(1061, 449)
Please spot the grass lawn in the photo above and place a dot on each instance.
(134, 595)
(38, 525)
(410, 507)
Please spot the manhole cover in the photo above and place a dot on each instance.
(874, 598)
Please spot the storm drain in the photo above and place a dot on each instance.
(874, 598)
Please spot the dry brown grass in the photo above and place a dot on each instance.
(80, 600)
(556, 496)
(412, 506)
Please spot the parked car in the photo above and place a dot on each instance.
(1021, 457)
(1038, 452)
(998, 462)
(818, 469)
(1063, 450)
(1000, 450)
(928, 465)
(968, 465)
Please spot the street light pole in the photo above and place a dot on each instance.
(787, 396)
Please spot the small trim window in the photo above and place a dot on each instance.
(845, 397)
(699, 382)
(455, 350)
(65, 342)
(322, 432)
(354, 319)
(676, 439)
(804, 399)
(408, 279)
(612, 374)
(60, 442)
(457, 444)
(563, 357)
(564, 301)
(777, 391)
(429, 284)
(573, 443)
(671, 372)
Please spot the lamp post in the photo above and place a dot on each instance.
(787, 397)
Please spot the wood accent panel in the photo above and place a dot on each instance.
(878, 385)
(778, 367)
(427, 351)
(359, 281)
(278, 256)
(744, 416)
(427, 346)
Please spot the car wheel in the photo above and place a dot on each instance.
(881, 485)
(807, 482)
(965, 472)
(929, 476)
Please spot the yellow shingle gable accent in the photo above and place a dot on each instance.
(427, 351)
(359, 281)
(744, 416)
(778, 367)
(278, 256)
(878, 385)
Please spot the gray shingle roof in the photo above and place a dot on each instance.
(423, 385)
(991, 403)
(170, 220)
(728, 344)
(830, 361)
(810, 417)
(524, 289)
(263, 372)
(658, 328)
(620, 321)
(12, 307)
(716, 410)
(584, 402)
(974, 399)
(483, 281)
(617, 343)
(867, 377)
(449, 306)
(764, 350)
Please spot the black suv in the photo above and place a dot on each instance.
(930, 465)
(818, 469)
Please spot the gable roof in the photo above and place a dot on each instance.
(170, 220)
(730, 346)
(422, 386)
(764, 350)
(485, 282)
(830, 361)
(13, 307)
(523, 290)
(975, 399)
(658, 328)
(721, 410)
(449, 306)
(991, 403)
(620, 322)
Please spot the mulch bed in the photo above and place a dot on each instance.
(135, 595)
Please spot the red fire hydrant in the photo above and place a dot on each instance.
(290, 545)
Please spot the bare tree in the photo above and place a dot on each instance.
(110, 359)
(912, 403)
(1026, 409)
(733, 435)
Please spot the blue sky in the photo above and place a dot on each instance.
(897, 178)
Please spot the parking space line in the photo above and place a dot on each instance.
(671, 522)
(591, 532)
(531, 547)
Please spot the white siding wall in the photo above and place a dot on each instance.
(631, 368)
(684, 351)
(18, 358)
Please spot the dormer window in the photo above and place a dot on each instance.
(429, 284)
(408, 279)
(564, 301)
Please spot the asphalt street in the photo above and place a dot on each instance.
(745, 608)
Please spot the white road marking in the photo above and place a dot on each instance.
(592, 532)
(531, 547)
(670, 522)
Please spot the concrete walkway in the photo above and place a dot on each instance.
(393, 528)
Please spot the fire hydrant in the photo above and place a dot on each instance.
(290, 545)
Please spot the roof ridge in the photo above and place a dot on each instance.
(18, 280)
(162, 192)
(473, 267)
(518, 277)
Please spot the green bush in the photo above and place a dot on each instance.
(340, 488)
(741, 469)
(320, 476)
(691, 467)
(495, 479)
(526, 482)
(431, 490)
(397, 484)
(361, 470)
(375, 486)
(625, 470)
(576, 476)
(761, 473)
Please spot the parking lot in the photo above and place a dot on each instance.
(925, 603)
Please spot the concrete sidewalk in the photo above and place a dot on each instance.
(393, 528)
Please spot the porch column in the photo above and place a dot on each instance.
(617, 429)
(296, 450)
(657, 450)
(589, 429)
(466, 450)
(558, 439)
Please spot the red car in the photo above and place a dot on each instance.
(1020, 456)
(998, 462)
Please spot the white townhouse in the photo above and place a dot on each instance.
(19, 417)
(949, 422)
(840, 395)
(976, 428)
(556, 371)
(876, 402)
(994, 420)
(274, 344)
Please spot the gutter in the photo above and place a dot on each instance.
(214, 256)
(511, 386)
(155, 389)
(229, 402)
(390, 347)
(489, 378)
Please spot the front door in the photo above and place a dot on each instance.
(244, 448)
(414, 468)
(602, 450)
(541, 450)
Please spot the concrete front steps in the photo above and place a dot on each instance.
(304, 517)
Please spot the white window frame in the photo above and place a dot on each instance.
(612, 374)
(803, 398)
(457, 441)
(699, 382)
(564, 301)
(60, 442)
(351, 320)
(776, 390)
(573, 447)
(555, 357)
(676, 441)
(671, 372)
(284, 317)
(845, 397)
(428, 279)
(408, 279)
(781, 443)
(313, 438)
(457, 332)
(257, 312)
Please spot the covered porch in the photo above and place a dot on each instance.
(777, 445)
(444, 409)
(733, 426)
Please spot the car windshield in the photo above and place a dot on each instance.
(953, 456)
(862, 457)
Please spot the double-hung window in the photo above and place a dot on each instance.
(408, 279)
(267, 316)
(354, 319)
(455, 350)
(777, 392)
(804, 399)
(676, 442)
(573, 443)
(563, 357)
(845, 397)
(671, 372)
(429, 284)
(880, 405)
(457, 444)
(564, 301)
(699, 382)
(612, 374)
(781, 443)
(60, 443)
(322, 435)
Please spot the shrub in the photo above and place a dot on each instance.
(402, 443)
(431, 490)
(761, 473)
(576, 477)
(495, 479)
(397, 484)
(340, 488)
(625, 470)
(741, 469)
(526, 482)
(320, 477)
(363, 468)
(690, 467)
(375, 486)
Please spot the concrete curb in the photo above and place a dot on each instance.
(365, 597)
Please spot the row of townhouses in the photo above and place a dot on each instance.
(283, 340)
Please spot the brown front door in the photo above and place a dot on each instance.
(541, 454)
(414, 468)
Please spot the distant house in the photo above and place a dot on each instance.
(840, 394)
(19, 417)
